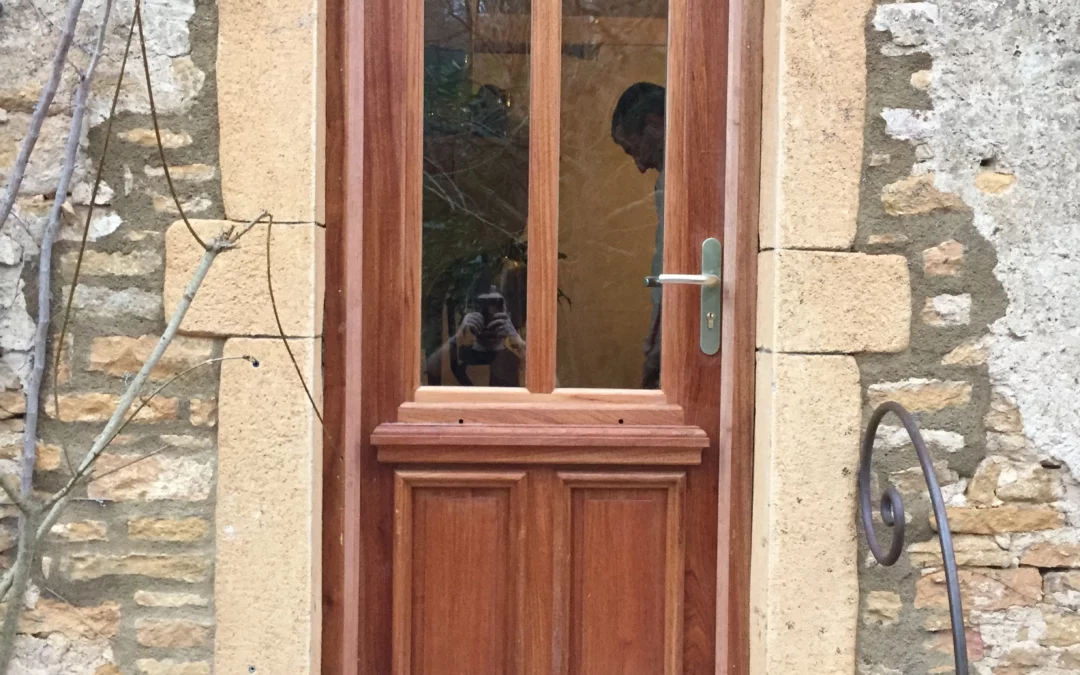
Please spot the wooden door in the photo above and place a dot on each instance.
(543, 513)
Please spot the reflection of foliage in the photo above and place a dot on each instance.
(475, 200)
(475, 190)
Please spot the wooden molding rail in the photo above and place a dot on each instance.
(661, 445)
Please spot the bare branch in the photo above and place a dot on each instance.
(41, 110)
(281, 329)
(44, 309)
(20, 580)
(126, 465)
(55, 504)
(5, 582)
(13, 494)
(145, 402)
(157, 128)
(86, 225)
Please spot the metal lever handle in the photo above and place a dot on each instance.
(689, 279)
(712, 297)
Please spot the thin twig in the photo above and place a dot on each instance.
(44, 309)
(77, 610)
(86, 226)
(20, 581)
(157, 128)
(281, 329)
(5, 582)
(13, 494)
(41, 110)
(253, 223)
(145, 402)
(94, 477)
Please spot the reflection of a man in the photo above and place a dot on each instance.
(637, 126)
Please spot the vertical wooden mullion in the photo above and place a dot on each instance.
(679, 329)
(412, 236)
(544, 101)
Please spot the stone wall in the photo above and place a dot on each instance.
(203, 557)
(923, 154)
(970, 174)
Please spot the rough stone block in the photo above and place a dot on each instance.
(1002, 519)
(993, 182)
(89, 566)
(947, 311)
(172, 633)
(97, 407)
(234, 299)
(822, 302)
(90, 530)
(1003, 416)
(154, 529)
(1052, 554)
(119, 355)
(167, 599)
(158, 478)
(943, 260)
(51, 616)
(920, 395)
(984, 590)
(1062, 630)
(146, 138)
(916, 196)
(202, 413)
(971, 352)
(171, 667)
(971, 551)
(882, 607)
(1062, 588)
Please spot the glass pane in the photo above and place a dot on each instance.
(611, 192)
(475, 191)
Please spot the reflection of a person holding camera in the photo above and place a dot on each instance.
(486, 338)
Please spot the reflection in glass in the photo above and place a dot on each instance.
(475, 192)
(611, 197)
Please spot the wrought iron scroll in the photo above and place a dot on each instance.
(892, 514)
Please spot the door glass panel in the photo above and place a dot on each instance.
(611, 192)
(475, 191)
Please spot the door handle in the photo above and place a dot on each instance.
(712, 296)
(688, 279)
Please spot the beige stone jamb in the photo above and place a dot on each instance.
(267, 517)
(266, 581)
(818, 304)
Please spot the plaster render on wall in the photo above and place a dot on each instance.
(1006, 95)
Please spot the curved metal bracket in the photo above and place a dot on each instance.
(892, 514)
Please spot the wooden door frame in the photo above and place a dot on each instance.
(357, 123)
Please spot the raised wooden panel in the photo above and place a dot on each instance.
(459, 575)
(618, 579)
